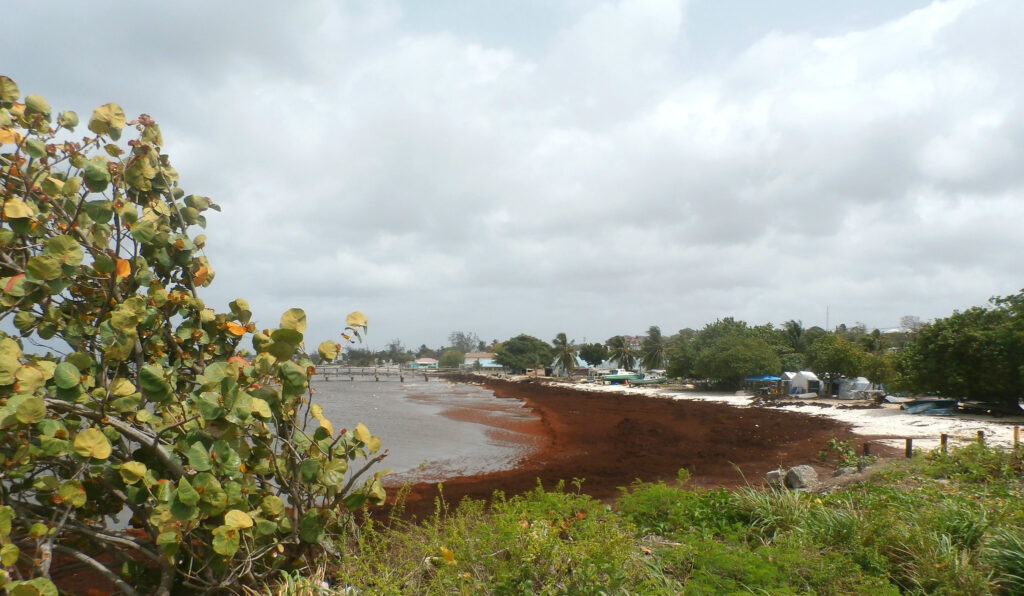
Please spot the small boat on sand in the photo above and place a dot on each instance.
(930, 405)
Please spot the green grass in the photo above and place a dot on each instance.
(941, 524)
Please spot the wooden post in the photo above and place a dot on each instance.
(981, 437)
(425, 378)
(1016, 436)
(867, 449)
(944, 443)
(910, 448)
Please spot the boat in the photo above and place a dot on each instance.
(620, 377)
(649, 381)
(930, 405)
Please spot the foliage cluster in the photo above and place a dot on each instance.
(143, 411)
(949, 524)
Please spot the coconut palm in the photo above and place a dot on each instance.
(621, 352)
(652, 352)
(565, 353)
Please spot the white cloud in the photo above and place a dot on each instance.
(595, 181)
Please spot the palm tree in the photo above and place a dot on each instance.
(794, 332)
(565, 353)
(652, 353)
(621, 352)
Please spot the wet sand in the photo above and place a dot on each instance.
(612, 439)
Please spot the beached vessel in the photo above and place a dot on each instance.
(930, 405)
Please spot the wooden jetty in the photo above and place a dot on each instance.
(375, 373)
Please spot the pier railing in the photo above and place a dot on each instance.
(376, 373)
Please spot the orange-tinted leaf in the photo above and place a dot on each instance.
(199, 277)
(13, 280)
(124, 268)
(233, 327)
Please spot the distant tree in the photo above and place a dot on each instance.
(523, 352)
(358, 357)
(811, 335)
(565, 353)
(425, 352)
(621, 352)
(977, 354)
(833, 356)
(734, 356)
(681, 353)
(463, 342)
(593, 354)
(652, 351)
(451, 358)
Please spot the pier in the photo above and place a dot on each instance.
(376, 373)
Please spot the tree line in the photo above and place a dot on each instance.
(976, 354)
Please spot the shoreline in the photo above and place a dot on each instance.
(611, 438)
(885, 423)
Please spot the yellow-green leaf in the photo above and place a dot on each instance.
(362, 433)
(328, 350)
(318, 413)
(294, 319)
(122, 387)
(261, 408)
(355, 319)
(132, 471)
(106, 117)
(31, 410)
(237, 519)
(16, 208)
(92, 443)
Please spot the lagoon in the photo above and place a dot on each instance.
(434, 430)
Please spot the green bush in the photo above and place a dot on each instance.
(148, 412)
(543, 542)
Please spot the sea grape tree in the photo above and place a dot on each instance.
(141, 433)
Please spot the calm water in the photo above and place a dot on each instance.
(408, 417)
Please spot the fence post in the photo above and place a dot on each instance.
(867, 449)
(910, 448)
(1016, 436)
(944, 443)
(981, 437)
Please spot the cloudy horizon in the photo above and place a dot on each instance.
(591, 168)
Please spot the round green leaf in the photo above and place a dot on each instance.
(225, 540)
(35, 147)
(186, 494)
(35, 103)
(272, 506)
(68, 119)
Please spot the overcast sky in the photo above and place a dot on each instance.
(592, 168)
